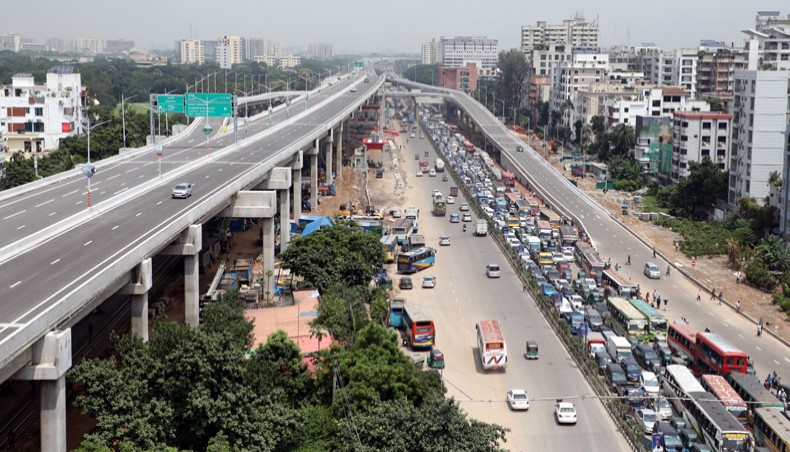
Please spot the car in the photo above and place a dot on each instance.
(548, 290)
(689, 437)
(450, 200)
(590, 282)
(182, 191)
(396, 213)
(634, 397)
(405, 283)
(444, 240)
(678, 422)
(519, 148)
(670, 439)
(647, 419)
(428, 282)
(557, 257)
(354, 89)
(493, 271)
(568, 255)
(455, 218)
(432, 172)
(616, 376)
(632, 370)
(518, 399)
(602, 358)
(652, 271)
(464, 207)
(419, 173)
(647, 358)
(564, 412)
(467, 218)
(663, 408)
(664, 354)
(649, 383)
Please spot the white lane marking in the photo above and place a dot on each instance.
(54, 262)
(787, 359)
(115, 227)
(141, 176)
(15, 214)
(777, 362)
(725, 324)
(96, 183)
(191, 141)
(140, 213)
(207, 176)
(53, 213)
(15, 284)
(160, 202)
(113, 177)
(21, 227)
(102, 192)
(758, 348)
(133, 169)
(78, 203)
(44, 203)
(88, 243)
(123, 184)
(121, 191)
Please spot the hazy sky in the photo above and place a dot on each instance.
(370, 25)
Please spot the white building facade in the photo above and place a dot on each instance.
(458, 51)
(575, 32)
(191, 51)
(696, 136)
(229, 51)
(431, 52)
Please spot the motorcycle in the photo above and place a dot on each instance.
(444, 178)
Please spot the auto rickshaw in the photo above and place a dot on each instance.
(426, 153)
(444, 178)
(532, 350)
(416, 156)
(436, 359)
(417, 360)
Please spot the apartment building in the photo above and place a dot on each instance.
(118, 46)
(464, 78)
(759, 131)
(88, 45)
(10, 41)
(460, 50)
(653, 144)
(432, 52)
(191, 51)
(716, 68)
(34, 118)
(229, 51)
(696, 136)
(576, 32)
(321, 51)
(784, 204)
(569, 77)
(281, 61)
(544, 58)
(653, 102)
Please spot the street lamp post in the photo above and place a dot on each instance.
(88, 169)
(503, 111)
(123, 117)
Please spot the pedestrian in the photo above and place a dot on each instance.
(654, 294)
(760, 329)
(713, 294)
(669, 267)
(654, 252)
(699, 294)
(647, 297)
(658, 302)
(737, 277)
(721, 296)
(738, 306)
(616, 267)
(666, 302)
(628, 262)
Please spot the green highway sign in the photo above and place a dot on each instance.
(209, 104)
(170, 104)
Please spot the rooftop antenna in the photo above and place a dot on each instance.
(628, 37)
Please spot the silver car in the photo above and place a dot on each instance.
(652, 271)
(182, 190)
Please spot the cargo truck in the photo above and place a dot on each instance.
(439, 165)
(618, 347)
(481, 228)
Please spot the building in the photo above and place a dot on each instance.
(432, 52)
(544, 58)
(696, 136)
(784, 205)
(91, 46)
(570, 76)
(252, 47)
(143, 59)
(55, 44)
(759, 131)
(210, 49)
(652, 102)
(191, 51)
(288, 61)
(34, 118)
(716, 68)
(460, 50)
(273, 48)
(10, 41)
(461, 78)
(229, 51)
(321, 51)
(118, 46)
(32, 47)
(653, 147)
(575, 32)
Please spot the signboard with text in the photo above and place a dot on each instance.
(170, 104)
(209, 104)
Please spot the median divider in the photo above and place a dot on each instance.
(618, 410)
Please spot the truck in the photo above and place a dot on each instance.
(414, 242)
(595, 343)
(569, 235)
(425, 166)
(412, 213)
(533, 243)
(618, 347)
(396, 313)
(481, 228)
(439, 165)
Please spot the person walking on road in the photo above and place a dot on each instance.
(699, 294)
(669, 267)
(738, 306)
(721, 296)
(666, 302)
(654, 252)
(628, 262)
(712, 294)
(760, 327)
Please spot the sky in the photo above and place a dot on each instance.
(357, 26)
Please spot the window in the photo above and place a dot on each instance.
(656, 103)
(722, 126)
(706, 125)
(39, 111)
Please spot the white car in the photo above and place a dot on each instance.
(428, 282)
(450, 200)
(590, 282)
(464, 207)
(466, 218)
(652, 271)
(557, 257)
(435, 192)
(564, 412)
(647, 419)
(396, 213)
(419, 173)
(493, 271)
(568, 255)
(432, 173)
(444, 240)
(354, 89)
(649, 383)
(663, 408)
(518, 399)
(182, 190)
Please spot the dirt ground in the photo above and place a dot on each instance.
(713, 272)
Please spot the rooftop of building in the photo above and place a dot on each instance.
(673, 91)
(701, 115)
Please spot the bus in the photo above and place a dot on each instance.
(508, 179)
(657, 322)
(522, 208)
(416, 260)
(533, 206)
(589, 260)
(625, 319)
(544, 229)
(715, 355)
(714, 423)
(548, 215)
(618, 284)
(718, 386)
(439, 206)
(388, 242)
(771, 430)
(418, 329)
(678, 382)
(403, 229)
(469, 147)
(752, 391)
(681, 339)
(491, 343)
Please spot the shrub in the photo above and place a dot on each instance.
(759, 276)
(626, 185)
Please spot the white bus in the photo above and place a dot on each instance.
(491, 343)
(679, 381)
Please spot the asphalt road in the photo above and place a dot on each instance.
(37, 279)
(27, 213)
(463, 296)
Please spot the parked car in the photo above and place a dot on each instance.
(518, 399)
(405, 283)
(647, 419)
(182, 191)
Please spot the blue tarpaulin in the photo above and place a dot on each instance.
(315, 225)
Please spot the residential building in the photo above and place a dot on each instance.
(575, 32)
(653, 144)
(210, 49)
(716, 68)
(88, 45)
(34, 118)
(191, 51)
(273, 48)
(321, 51)
(696, 136)
(461, 78)
(784, 204)
(759, 131)
(118, 46)
(432, 52)
(55, 44)
(458, 51)
(32, 47)
(544, 58)
(229, 51)
(593, 99)
(288, 61)
(570, 76)
(252, 47)
(10, 41)
(143, 59)
(652, 102)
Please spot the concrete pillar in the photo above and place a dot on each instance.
(297, 178)
(140, 316)
(188, 245)
(50, 359)
(267, 236)
(141, 282)
(339, 151)
(285, 220)
(314, 179)
(329, 143)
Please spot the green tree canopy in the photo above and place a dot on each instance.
(514, 69)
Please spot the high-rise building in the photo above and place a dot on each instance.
(88, 45)
(569, 76)
(253, 47)
(273, 48)
(575, 32)
(321, 51)
(191, 51)
(55, 44)
(10, 41)
(784, 206)
(759, 131)
(543, 59)
(464, 79)
(456, 52)
(229, 51)
(716, 67)
(696, 136)
(118, 45)
(431, 52)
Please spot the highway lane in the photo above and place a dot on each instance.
(38, 279)
(463, 296)
(613, 240)
(28, 213)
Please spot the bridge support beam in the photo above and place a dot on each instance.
(280, 180)
(296, 177)
(51, 359)
(141, 283)
(189, 245)
(330, 141)
(267, 237)
(314, 178)
(339, 151)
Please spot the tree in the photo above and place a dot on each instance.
(699, 191)
(427, 74)
(343, 253)
(715, 103)
(622, 139)
(513, 69)
(774, 179)
(277, 366)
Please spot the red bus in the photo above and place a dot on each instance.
(469, 147)
(681, 339)
(715, 355)
(418, 328)
(589, 260)
(508, 179)
(718, 386)
(491, 345)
